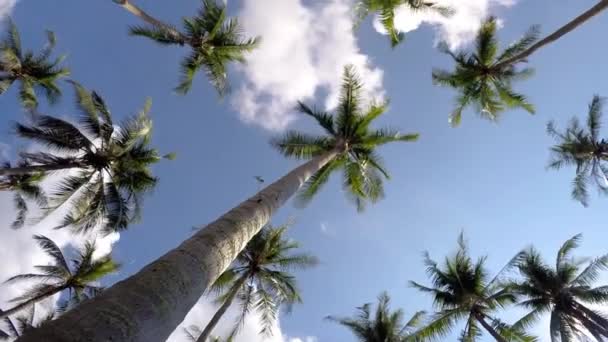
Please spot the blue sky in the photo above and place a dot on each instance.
(488, 180)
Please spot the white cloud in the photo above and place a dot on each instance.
(303, 52)
(6, 6)
(456, 30)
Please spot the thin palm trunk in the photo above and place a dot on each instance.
(32, 301)
(150, 304)
(481, 319)
(126, 4)
(38, 168)
(222, 310)
(576, 22)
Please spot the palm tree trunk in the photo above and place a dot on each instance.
(221, 311)
(126, 4)
(481, 319)
(149, 305)
(32, 301)
(576, 22)
(38, 168)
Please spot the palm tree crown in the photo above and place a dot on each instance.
(215, 41)
(386, 10)
(80, 280)
(113, 163)
(384, 326)
(564, 291)
(348, 131)
(260, 276)
(24, 186)
(32, 71)
(481, 77)
(582, 147)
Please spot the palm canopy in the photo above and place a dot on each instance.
(384, 325)
(261, 275)
(33, 71)
(348, 131)
(24, 322)
(80, 280)
(113, 163)
(565, 291)
(24, 187)
(581, 146)
(386, 11)
(462, 290)
(215, 41)
(483, 79)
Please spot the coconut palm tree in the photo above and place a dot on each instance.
(384, 326)
(214, 39)
(483, 77)
(109, 164)
(24, 186)
(13, 330)
(33, 71)
(582, 147)
(386, 9)
(565, 292)
(462, 290)
(80, 280)
(259, 280)
(182, 275)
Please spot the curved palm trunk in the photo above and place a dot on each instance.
(37, 168)
(221, 311)
(32, 301)
(149, 305)
(576, 22)
(489, 328)
(126, 4)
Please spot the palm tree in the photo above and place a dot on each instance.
(564, 291)
(24, 322)
(193, 331)
(386, 10)
(483, 77)
(215, 42)
(182, 275)
(79, 280)
(110, 164)
(260, 280)
(24, 186)
(34, 72)
(462, 291)
(582, 147)
(384, 326)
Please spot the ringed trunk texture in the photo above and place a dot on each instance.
(576, 22)
(126, 4)
(149, 305)
(221, 311)
(32, 301)
(37, 168)
(489, 328)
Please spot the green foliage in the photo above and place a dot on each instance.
(215, 41)
(384, 326)
(481, 77)
(349, 133)
(24, 187)
(564, 291)
(35, 72)
(581, 147)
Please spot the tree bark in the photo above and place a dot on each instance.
(126, 4)
(149, 305)
(37, 168)
(29, 302)
(576, 22)
(489, 328)
(221, 311)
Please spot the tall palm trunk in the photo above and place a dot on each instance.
(222, 310)
(38, 168)
(32, 301)
(576, 22)
(150, 304)
(481, 319)
(126, 4)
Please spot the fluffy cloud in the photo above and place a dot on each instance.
(456, 30)
(6, 6)
(303, 52)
